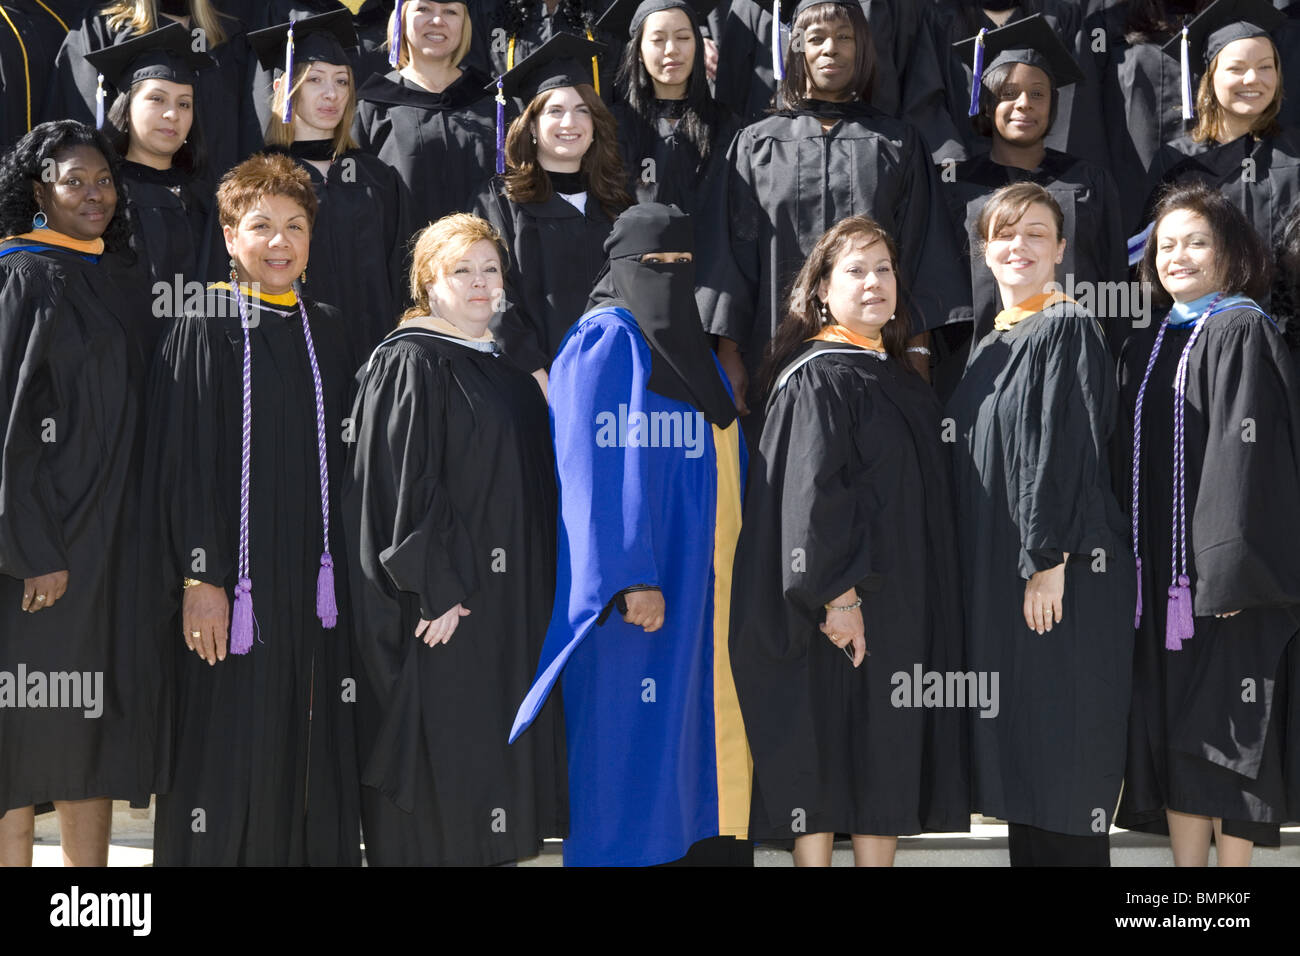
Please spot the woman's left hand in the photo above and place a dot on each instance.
(1044, 594)
(710, 58)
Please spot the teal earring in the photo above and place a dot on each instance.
(39, 220)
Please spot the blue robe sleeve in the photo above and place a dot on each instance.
(597, 384)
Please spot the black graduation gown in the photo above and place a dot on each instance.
(230, 128)
(745, 82)
(29, 39)
(442, 145)
(1033, 416)
(369, 58)
(1095, 241)
(787, 183)
(261, 743)
(948, 132)
(1214, 725)
(662, 165)
(1261, 177)
(74, 351)
(1287, 39)
(556, 253)
(359, 256)
(450, 498)
(1141, 103)
(850, 488)
(173, 224)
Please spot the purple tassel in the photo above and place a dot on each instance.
(1137, 618)
(1178, 622)
(395, 38)
(501, 129)
(978, 69)
(241, 627)
(326, 608)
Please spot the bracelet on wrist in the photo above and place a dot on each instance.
(918, 349)
(844, 607)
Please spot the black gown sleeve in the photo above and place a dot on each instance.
(1062, 446)
(1246, 519)
(515, 325)
(31, 528)
(732, 251)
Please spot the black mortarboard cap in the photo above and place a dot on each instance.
(1031, 41)
(165, 54)
(1220, 23)
(563, 60)
(624, 17)
(319, 39)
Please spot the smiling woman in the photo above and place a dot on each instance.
(252, 386)
(76, 346)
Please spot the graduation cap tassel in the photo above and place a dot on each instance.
(287, 113)
(395, 37)
(1137, 616)
(1185, 63)
(977, 68)
(99, 102)
(501, 128)
(778, 67)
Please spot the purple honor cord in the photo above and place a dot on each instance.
(1179, 624)
(242, 625)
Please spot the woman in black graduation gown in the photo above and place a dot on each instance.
(230, 125)
(825, 155)
(450, 511)
(1237, 145)
(673, 135)
(848, 535)
(431, 119)
(1047, 579)
(557, 201)
(153, 125)
(1139, 89)
(1026, 66)
(359, 238)
(30, 36)
(1214, 402)
(245, 450)
(75, 350)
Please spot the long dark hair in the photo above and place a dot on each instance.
(792, 92)
(1286, 291)
(602, 165)
(1240, 255)
(117, 127)
(701, 118)
(969, 14)
(803, 318)
(1154, 21)
(22, 166)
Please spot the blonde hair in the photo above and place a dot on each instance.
(466, 35)
(141, 16)
(438, 247)
(280, 133)
(1210, 113)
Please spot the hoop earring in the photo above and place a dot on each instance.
(39, 220)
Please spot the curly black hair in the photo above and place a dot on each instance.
(20, 170)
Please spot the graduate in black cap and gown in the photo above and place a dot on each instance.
(1025, 67)
(849, 546)
(230, 126)
(562, 186)
(30, 36)
(154, 126)
(1211, 409)
(650, 464)
(249, 599)
(824, 155)
(359, 239)
(671, 131)
(1237, 145)
(450, 509)
(432, 112)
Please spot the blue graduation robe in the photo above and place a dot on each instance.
(650, 494)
